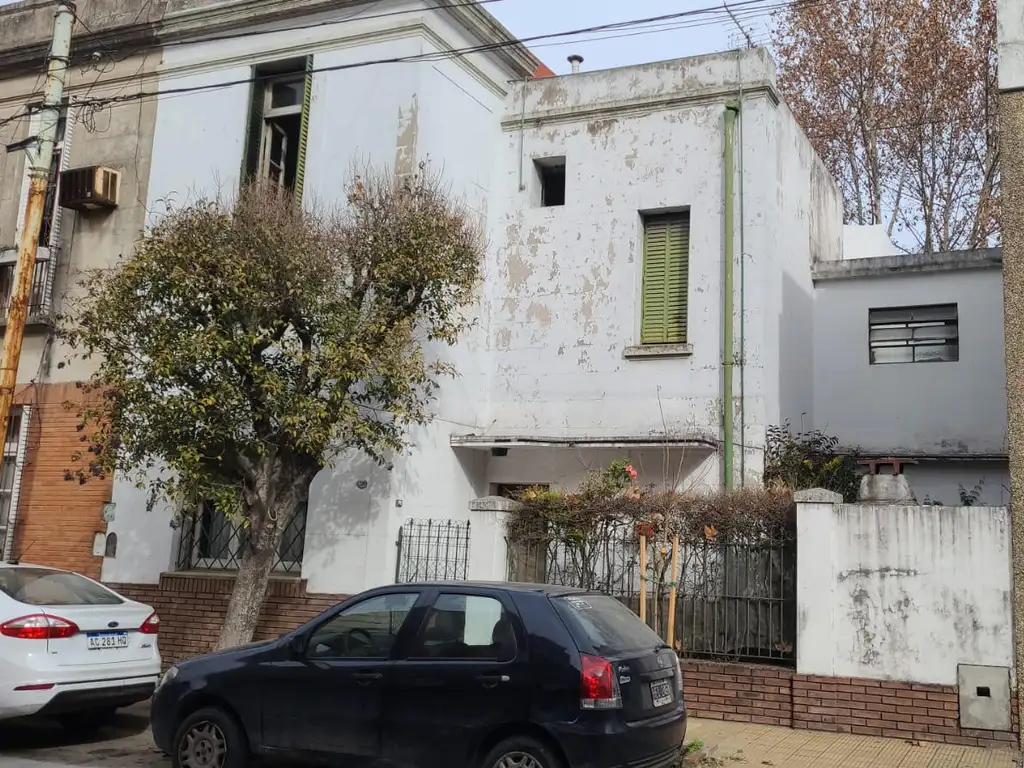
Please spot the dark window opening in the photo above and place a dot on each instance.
(552, 181)
(52, 186)
(921, 334)
(278, 114)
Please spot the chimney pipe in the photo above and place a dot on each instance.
(575, 60)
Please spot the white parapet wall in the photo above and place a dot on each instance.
(901, 592)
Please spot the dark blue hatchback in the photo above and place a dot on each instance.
(446, 675)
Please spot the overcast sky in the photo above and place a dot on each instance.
(665, 40)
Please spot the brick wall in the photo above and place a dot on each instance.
(758, 694)
(192, 608)
(57, 519)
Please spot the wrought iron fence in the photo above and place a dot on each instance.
(208, 540)
(39, 298)
(735, 600)
(432, 550)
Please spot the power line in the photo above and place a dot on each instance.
(758, 7)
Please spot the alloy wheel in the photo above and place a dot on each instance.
(518, 760)
(204, 746)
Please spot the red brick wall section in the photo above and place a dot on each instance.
(192, 609)
(57, 519)
(772, 696)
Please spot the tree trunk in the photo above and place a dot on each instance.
(250, 588)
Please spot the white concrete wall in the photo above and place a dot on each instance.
(1010, 19)
(936, 409)
(901, 592)
(395, 115)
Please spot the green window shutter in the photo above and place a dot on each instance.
(665, 279)
(307, 100)
(253, 128)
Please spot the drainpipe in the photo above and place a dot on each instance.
(732, 110)
(743, 281)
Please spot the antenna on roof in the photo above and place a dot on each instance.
(742, 29)
(575, 60)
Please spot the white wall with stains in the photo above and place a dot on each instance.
(902, 592)
(445, 111)
(565, 294)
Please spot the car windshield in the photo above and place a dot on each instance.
(607, 624)
(42, 586)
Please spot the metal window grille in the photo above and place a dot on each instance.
(432, 550)
(210, 541)
(735, 601)
(38, 302)
(8, 472)
(914, 334)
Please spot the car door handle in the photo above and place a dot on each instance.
(491, 681)
(365, 678)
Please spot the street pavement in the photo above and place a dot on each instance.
(127, 744)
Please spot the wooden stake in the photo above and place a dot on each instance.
(643, 578)
(671, 633)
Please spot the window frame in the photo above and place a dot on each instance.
(14, 451)
(668, 337)
(508, 610)
(950, 344)
(310, 632)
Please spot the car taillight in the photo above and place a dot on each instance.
(679, 672)
(38, 627)
(599, 687)
(150, 626)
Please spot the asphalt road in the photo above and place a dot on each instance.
(126, 743)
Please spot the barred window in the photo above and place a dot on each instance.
(922, 334)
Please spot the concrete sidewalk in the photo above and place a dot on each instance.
(762, 745)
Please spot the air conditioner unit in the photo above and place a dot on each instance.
(87, 189)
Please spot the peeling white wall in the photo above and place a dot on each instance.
(902, 592)
(447, 112)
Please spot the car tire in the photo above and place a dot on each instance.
(521, 752)
(209, 737)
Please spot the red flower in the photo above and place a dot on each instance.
(631, 472)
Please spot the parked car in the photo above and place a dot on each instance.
(72, 648)
(439, 675)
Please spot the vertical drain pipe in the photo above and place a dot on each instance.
(728, 320)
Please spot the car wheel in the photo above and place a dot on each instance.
(521, 752)
(209, 738)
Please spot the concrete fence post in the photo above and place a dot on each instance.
(488, 556)
(815, 520)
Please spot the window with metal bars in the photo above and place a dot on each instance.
(210, 540)
(921, 334)
(666, 268)
(8, 473)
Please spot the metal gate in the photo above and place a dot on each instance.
(432, 550)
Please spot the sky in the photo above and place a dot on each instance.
(602, 50)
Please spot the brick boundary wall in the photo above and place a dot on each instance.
(751, 693)
(192, 607)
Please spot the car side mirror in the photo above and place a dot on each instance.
(297, 645)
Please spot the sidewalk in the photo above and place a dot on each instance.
(762, 745)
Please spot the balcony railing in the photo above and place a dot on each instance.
(40, 297)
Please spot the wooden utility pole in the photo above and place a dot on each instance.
(39, 159)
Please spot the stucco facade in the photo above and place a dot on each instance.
(949, 415)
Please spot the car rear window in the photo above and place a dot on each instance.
(41, 586)
(606, 624)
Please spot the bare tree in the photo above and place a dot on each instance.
(898, 97)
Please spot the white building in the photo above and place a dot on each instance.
(593, 344)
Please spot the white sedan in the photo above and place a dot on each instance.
(71, 648)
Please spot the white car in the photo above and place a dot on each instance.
(71, 648)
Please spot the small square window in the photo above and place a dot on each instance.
(551, 172)
(922, 334)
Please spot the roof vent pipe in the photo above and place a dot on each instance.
(575, 60)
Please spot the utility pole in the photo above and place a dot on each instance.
(39, 176)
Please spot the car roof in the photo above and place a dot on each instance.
(508, 586)
(9, 564)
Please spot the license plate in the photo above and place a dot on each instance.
(661, 693)
(107, 641)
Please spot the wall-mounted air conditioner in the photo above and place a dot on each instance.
(87, 189)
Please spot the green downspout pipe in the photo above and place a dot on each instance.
(732, 110)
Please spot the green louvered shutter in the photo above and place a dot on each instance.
(300, 162)
(665, 279)
(253, 128)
